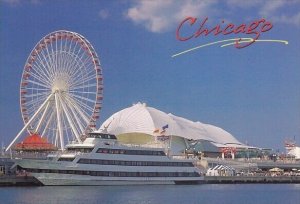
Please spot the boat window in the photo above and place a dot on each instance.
(131, 152)
(66, 159)
(134, 163)
(116, 173)
(81, 149)
(102, 136)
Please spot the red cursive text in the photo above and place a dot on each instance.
(255, 27)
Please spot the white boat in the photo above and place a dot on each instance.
(292, 149)
(295, 152)
(101, 160)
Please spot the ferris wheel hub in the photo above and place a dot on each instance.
(60, 86)
(60, 83)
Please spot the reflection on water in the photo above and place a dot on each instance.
(297, 186)
(213, 194)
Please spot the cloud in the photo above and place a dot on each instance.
(103, 13)
(244, 3)
(274, 11)
(279, 11)
(292, 19)
(270, 7)
(19, 2)
(162, 15)
(12, 2)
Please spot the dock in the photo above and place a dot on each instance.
(31, 181)
(250, 179)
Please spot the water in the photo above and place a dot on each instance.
(189, 194)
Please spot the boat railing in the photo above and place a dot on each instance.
(143, 145)
(184, 157)
(147, 145)
(27, 155)
(67, 154)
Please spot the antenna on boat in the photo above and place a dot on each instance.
(2, 148)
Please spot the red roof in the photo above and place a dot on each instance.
(35, 142)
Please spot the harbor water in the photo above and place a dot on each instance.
(207, 193)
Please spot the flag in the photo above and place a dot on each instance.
(165, 127)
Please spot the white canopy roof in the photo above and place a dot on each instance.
(221, 167)
(140, 118)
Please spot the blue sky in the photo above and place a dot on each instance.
(253, 93)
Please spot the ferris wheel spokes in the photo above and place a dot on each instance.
(42, 118)
(69, 119)
(77, 109)
(77, 119)
(57, 105)
(29, 122)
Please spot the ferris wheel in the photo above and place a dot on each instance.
(61, 88)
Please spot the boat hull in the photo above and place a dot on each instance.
(82, 180)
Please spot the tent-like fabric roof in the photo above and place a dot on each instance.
(140, 118)
(35, 142)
